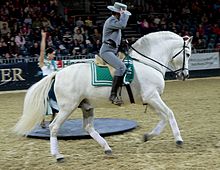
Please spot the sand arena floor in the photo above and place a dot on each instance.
(195, 103)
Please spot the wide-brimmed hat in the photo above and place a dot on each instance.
(118, 7)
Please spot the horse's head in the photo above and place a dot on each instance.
(180, 59)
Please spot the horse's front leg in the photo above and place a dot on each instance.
(88, 119)
(165, 114)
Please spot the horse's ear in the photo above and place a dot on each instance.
(188, 39)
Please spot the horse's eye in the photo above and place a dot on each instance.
(188, 55)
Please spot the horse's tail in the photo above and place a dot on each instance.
(35, 105)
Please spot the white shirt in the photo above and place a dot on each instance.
(48, 67)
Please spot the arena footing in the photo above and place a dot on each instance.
(72, 129)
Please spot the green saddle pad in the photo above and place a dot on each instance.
(101, 75)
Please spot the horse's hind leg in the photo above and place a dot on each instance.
(54, 127)
(157, 130)
(166, 114)
(88, 118)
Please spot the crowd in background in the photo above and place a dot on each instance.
(21, 22)
(197, 18)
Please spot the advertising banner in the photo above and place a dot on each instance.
(203, 61)
(18, 76)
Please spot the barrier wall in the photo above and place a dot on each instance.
(18, 76)
(23, 73)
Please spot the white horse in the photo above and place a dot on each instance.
(152, 55)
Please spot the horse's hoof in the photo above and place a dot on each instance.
(108, 152)
(147, 137)
(60, 158)
(179, 143)
(43, 125)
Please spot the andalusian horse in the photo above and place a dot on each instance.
(152, 55)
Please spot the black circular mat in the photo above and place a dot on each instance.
(72, 129)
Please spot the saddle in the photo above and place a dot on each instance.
(102, 73)
(101, 63)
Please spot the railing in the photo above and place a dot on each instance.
(35, 59)
(205, 50)
(79, 57)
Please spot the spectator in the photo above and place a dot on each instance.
(46, 23)
(77, 50)
(62, 50)
(201, 44)
(78, 36)
(89, 24)
(200, 30)
(157, 20)
(89, 48)
(36, 23)
(86, 35)
(28, 20)
(96, 35)
(218, 46)
(79, 22)
(67, 39)
(50, 41)
(7, 37)
(96, 46)
(216, 29)
(144, 27)
(13, 50)
(2, 49)
(35, 50)
(204, 19)
(25, 30)
(5, 29)
(20, 40)
(211, 44)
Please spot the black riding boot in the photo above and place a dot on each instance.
(116, 83)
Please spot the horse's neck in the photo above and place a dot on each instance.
(159, 51)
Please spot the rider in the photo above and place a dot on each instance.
(111, 40)
(48, 65)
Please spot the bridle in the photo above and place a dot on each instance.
(184, 57)
(173, 71)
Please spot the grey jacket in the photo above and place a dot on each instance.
(112, 28)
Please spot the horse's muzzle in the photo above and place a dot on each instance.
(182, 75)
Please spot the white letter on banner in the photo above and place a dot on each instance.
(17, 74)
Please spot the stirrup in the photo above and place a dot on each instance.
(117, 101)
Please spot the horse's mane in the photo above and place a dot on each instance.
(155, 37)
